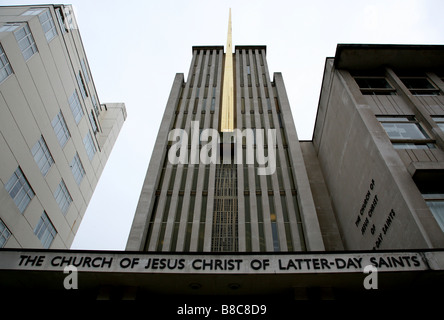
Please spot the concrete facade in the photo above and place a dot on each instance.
(177, 205)
(36, 107)
(379, 184)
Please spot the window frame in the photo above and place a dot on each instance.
(63, 135)
(45, 230)
(18, 179)
(42, 156)
(63, 197)
(427, 141)
(375, 90)
(78, 171)
(439, 120)
(76, 107)
(5, 65)
(435, 197)
(418, 91)
(85, 70)
(61, 20)
(34, 11)
(28, 35)
(52, 31)
(93, 121)
(95, 103)
(10, 26)
(90, 147)
(5, 234)
(82, 85)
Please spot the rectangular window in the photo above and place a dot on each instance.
(48, 25)
(33, 12)
(96, 105)
(26, 41)
(420, 86)
(439, 121)
(61, 20)
(7, 27)
(60, 129)
(4, 234)
(76, 107)
(89, 146)
(93, 122)
(411, 145)
(45, 231)
(406, 133)
(42, 156)
(77, 169)
(225, 210)
(85, 70)
(374, 85)
(436, 205)
(81, 84)
(274, 228)
(5, 67)
(63, 197)
(19, 190)
(213, 103)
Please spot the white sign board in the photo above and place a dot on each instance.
(318, 262)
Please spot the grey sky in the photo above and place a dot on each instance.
(135, 48)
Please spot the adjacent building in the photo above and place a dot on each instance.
(378, 144)
(55, 134)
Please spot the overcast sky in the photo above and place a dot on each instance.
(135, 48)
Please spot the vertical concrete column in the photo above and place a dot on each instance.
(312, 230)
(138, 232)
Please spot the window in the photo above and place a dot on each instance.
(76, 107)
(377, 85)
(77, 169)
(81, 84)
(439, 121)
(89, 146)
(429, 183)
(25, 41)
(85, 70)
(93, 122)
(225, 210)
(63, 197)
(95, 105)
(213, 103)
(406, 133)
(19, 190)
(45, 231)
(61, 20)
(42, 156)
(33, 12)
(4, 234)
(274, 232)
(436, 205)
(7, 27)
(48, 25)
(420, 86)
(5, 67)
(60, 129)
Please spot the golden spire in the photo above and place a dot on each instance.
(227, 112)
